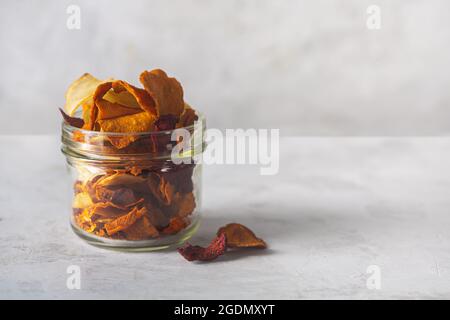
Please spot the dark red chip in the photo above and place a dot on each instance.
(196, 253)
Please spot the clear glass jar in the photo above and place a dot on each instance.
(139, 197)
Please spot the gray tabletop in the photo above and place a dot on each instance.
(344, 218)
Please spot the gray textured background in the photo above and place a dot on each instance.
(307, 67)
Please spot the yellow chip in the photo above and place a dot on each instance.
(123, 98)
(81, 201)
(111, 110)
(79, 92)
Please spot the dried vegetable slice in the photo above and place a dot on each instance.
(185, 204)
(124, 221)
(187, 118)
(110, 110)
(123, 197)
(80, 92)
(166, 92)
(176, 225)
(106, 211)
(136, 123)
(142, 229)
(239, 236)
(141, 98)
(196, 253)
(81, 200)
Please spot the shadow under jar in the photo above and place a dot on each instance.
(139, 197)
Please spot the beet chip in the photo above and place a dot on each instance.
(74, 122)
(239, 236)
(196, 253)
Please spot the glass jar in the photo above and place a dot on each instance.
(132, 191)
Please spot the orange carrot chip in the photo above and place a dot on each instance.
(185, 204)
(136, 123)
(106, 210)
(122, 197)
(187, 118)
(239, 236)
(125, 221)
(141, 98)
(142, 229)
(110, 110)
(176, 225)
(166, 92)
(120, 179)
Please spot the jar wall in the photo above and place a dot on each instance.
(134, 206)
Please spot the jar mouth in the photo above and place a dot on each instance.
(100, 145)
(69, 128)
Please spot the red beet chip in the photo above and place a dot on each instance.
(166, 122)
(216, 248)
(74, 122)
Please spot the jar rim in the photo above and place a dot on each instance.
(70, 128)
(96, 145)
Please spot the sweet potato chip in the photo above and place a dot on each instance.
(110, 110)
(167, 191)
(106, 210)
(78, 136)
(86, 112)
(239, 236)
(187, 118)
(142, 99)
(84, 221)
(119, 179)
(166, 92)
(175, 225)
(122, 197)
(136, 123)
(141, 230)
(185, 204)
(123, 98)
(99, 93)
(125, 221)
(196, 253)
(155, 214)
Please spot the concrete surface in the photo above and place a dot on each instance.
(336, 207)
